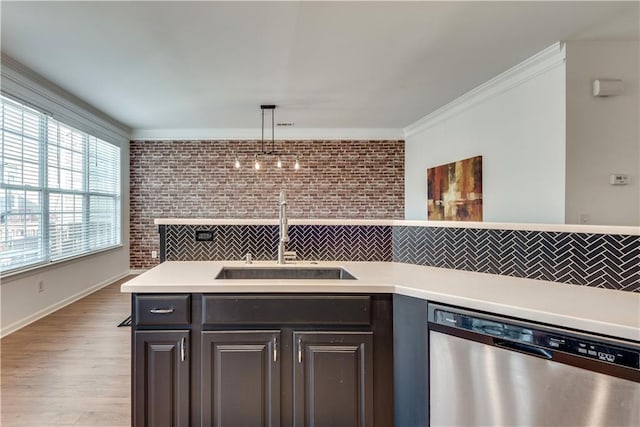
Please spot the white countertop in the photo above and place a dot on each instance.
(602, 311)
(559, 228)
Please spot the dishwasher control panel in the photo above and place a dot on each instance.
(538, 336)
(592, 350)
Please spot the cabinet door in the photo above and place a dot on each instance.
(161, 379)
(333, 379)
(240, 378)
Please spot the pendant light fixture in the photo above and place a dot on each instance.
(271, 151)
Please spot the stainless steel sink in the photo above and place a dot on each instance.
(278, 273)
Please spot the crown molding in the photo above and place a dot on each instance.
(30, 88)
(281, 134)
(543, 61)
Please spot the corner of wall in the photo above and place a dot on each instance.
(516, 121)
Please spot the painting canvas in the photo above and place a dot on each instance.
(454, 191)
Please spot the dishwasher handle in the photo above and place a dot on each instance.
(523, 348)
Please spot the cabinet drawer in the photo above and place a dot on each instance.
(163, 309)
(286, 310)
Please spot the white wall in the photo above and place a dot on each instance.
(65, 282)
(517, 123)
(602, 133)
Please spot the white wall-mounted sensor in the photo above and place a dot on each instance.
(607, 87)
(619, 179)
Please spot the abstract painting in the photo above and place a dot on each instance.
(454, 191)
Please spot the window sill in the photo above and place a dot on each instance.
(37, 268)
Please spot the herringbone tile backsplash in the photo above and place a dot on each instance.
(311, 242)
(599, 260)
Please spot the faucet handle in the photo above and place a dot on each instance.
(290, 256)
(248, 258)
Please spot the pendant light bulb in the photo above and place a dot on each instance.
(279, 163)
(256, 165)
(296, 165)
(237, 163)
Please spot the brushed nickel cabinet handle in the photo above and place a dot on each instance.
(183, 355)
(275, 349)
(161, 310)
(299, 350)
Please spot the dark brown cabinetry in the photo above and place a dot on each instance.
(240, 378)
(410, 358)
(333, 379)
(161, 378)
(263, 360)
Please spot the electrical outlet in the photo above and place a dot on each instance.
(40, 286)
(154, 254)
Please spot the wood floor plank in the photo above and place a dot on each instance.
(71, 368)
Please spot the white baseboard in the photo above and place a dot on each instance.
(57, 306)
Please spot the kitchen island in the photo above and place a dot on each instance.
(601, 311)
(267, 330)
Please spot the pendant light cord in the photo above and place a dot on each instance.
(262, 138)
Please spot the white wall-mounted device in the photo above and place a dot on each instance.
(607, 87)
(619, 179)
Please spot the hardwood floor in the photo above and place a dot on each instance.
(71, 368)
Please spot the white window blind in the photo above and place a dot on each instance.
(60, 194)
(104, 194)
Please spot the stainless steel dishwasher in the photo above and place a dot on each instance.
(487, 370)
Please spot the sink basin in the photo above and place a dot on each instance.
(279, 273)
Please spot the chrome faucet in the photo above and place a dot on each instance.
(284, 228)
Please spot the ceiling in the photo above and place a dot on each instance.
(194, 65)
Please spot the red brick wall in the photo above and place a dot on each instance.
(197, 179)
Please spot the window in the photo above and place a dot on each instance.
(60, 192)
